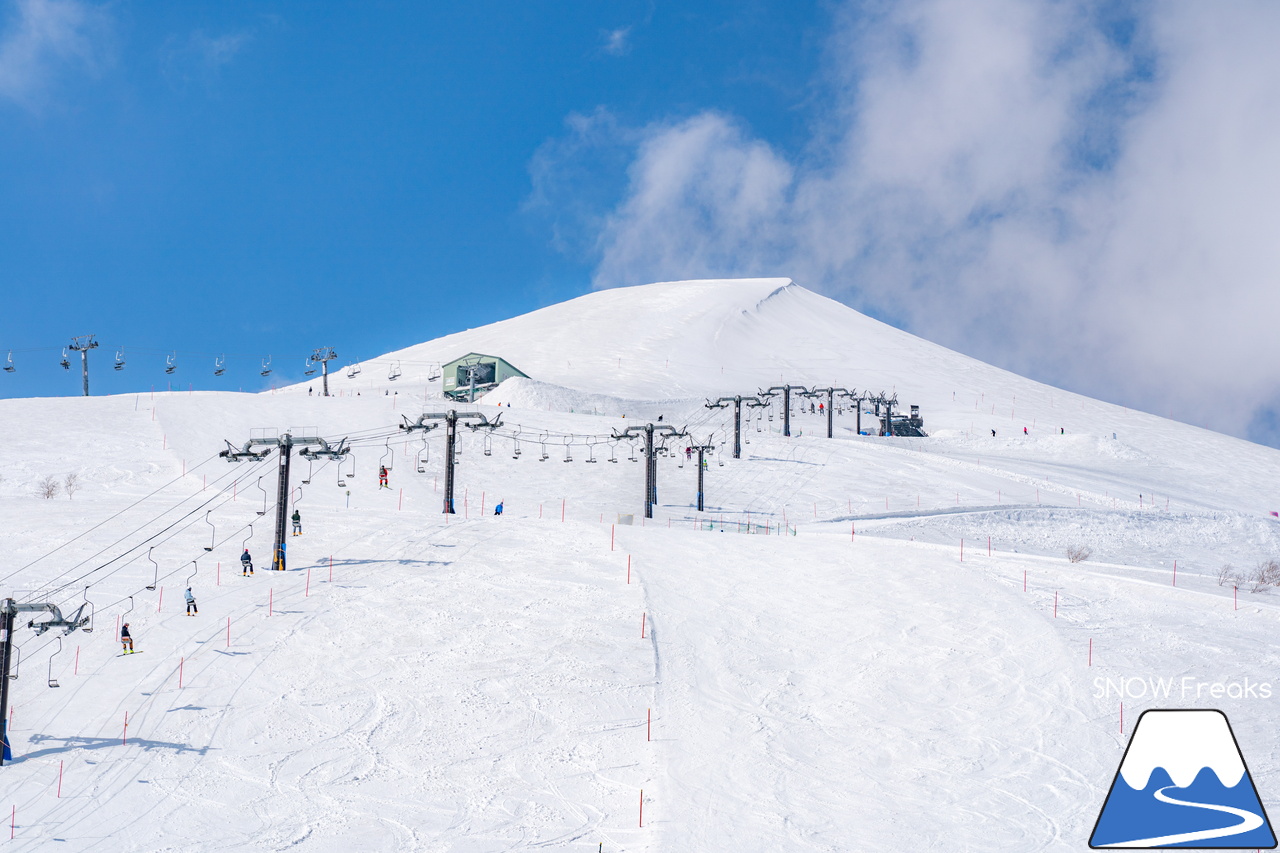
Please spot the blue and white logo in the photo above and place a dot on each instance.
(1183, 783)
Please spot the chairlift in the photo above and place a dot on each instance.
(720, 458)
(353, 370)
(632, 445)
(311, 464)
(9, 368)
(87, 627)
(195, 570)
(591, 452)
(434, 374)
(213, 531)
(66, 365)
(352, 472)
(171, 362)
(244, 546)
(218, 363)
(263, 511)
(567, 455)
(515, 441)
(394, 373)
(613, 450)
(155, 579)
(310, 370)
(679, 460)
(423, 457)
(53, 682)
(384, 462)
(119, 365)
(543, 442)
(488, 445)
(266, 367)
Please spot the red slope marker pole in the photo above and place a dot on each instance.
(648, 725)
(59, 780)
(307, 592)
(641, 808)
(962, 550)
(613, 533)
(77, 669)
(160, 602)
(643, 619)
(181, 661)
(562, 503)
(125, 738)
(401, 506)
(628, 568)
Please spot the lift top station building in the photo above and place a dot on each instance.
(475, 374)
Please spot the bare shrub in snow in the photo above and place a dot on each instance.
(71, 484)
(1228, 575)
(1079, 553)
(1267, 574)
(48, 488)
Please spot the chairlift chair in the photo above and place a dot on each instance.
(388, 463)
(9, 368)
(66, 365)
(543, 443)
(87, 627)
(119, 365)
(591, 452)
(394, 372)
(218, 369)
(155, 578)
(310, 371)
(213, 531)
(195, 570)
(515, 442)
(613, 450)
(171, 362)
(423, 457)
(488, 445)
(263, 511)
(53, 682)
(266, 367)
(310, 467)
(568, 457)
(353, 370)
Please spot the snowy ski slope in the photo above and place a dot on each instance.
(481, 683)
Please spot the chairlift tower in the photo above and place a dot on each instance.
(451, 419)
(702, 449)
(753, 402)
(831, 393)
(285, 443)
(82, 345)
(8, 611)
(650, 458)
(786, 402)
(324, 355)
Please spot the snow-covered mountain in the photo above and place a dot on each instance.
(913, 662)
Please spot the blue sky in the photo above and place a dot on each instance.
(1084, 192)
(270, 177)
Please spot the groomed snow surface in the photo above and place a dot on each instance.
(481, 683)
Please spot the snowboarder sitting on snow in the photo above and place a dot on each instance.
(126, 639)
(382, 477)
(297, 523)
(246, 563)
(192, 610)
(497, 510)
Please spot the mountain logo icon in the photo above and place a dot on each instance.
(1182, 783)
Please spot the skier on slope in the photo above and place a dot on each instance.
(382, 477)
(126, 639)
(497, 510)
(246, 563)
(192, 610)
(296, 518)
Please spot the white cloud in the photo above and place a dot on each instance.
(617, 42)
(200, 56)
(1086, 199)
(40, 38)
